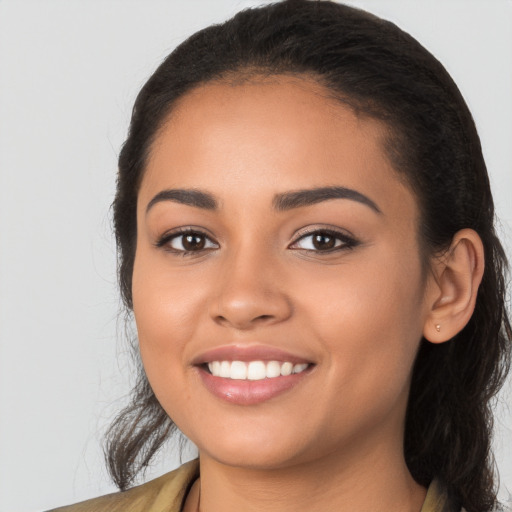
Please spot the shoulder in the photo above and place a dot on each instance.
(438, 500)
(164, 494)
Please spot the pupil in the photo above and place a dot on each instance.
(193, 242)
(323, 241)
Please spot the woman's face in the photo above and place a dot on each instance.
(273, 231)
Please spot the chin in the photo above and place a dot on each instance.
(254, 457)
(259, 446)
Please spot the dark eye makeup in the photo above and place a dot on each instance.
(184, 241)
(323, 240)
(193, 241)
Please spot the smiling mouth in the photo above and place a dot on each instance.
(254, 370)
(251, 374)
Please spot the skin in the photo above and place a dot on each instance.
(334, 441)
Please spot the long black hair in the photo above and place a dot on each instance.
(379, 71)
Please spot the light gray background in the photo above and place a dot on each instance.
(69, 72)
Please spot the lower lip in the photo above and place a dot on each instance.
(249, 392)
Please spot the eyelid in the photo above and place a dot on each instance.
(348, 240)
(171, 234)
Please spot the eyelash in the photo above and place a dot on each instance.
(165, 240)
(347, 242)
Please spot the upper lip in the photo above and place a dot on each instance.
(248, 353)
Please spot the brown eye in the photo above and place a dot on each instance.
(323, 241)
(193, 242)
(190, 241)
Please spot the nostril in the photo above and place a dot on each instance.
(257, 319)
(264, 317)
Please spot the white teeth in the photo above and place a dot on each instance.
(254, 370)
(238, 370)
(286, 369)
(273, 369)
(225, 369)
(299, 368)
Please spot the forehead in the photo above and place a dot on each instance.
(270, 134)
(294, 108)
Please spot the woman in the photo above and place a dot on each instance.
(306, 240)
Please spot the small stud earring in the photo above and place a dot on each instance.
(438, 327)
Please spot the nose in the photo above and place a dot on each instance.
(249, 293)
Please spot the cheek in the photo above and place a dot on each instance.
(167, 311)
(369, 319)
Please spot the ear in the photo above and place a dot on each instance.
(451, 294)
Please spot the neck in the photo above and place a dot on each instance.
(375, 478)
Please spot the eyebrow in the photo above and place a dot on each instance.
(281, 202)
(190, 197)
(300, 198)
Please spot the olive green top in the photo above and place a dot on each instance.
(164, 494)
(167, 494)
